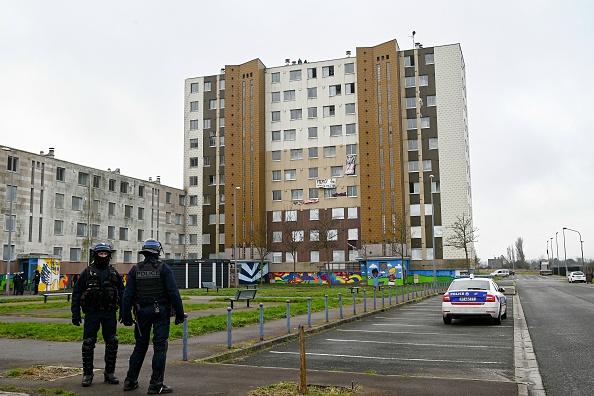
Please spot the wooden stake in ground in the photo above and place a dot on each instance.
(302, 367)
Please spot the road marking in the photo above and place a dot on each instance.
(388, 358)
(417, 344)
(400, 332)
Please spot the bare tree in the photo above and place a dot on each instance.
(399, 235)
(327, 239)
(464, 234)
(520, 250)
(511, 256)
(260, 242)
(292, 239)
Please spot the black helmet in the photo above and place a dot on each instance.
(151, 246)
(103, 246)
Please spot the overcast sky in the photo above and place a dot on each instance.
(103, 83)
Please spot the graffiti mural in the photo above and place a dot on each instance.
(50, 274)
(319, 278)
(249, 272)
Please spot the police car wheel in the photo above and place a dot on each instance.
(447, 320)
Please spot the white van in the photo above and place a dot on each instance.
(504, 273)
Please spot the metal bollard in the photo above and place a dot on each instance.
(309, 312)
(326, 307)
(340, 304)
(383, 298)
(413, 291)
(390, 295)
(229, 327)
(185, 340)
(364, 300)
(288, 317)
(354, 304)
(261, 321)
(374, 296)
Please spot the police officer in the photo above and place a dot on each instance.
(98, 292)
(151, 292)
(36, 279)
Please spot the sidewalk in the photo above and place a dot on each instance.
(200, 378)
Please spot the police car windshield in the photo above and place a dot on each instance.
(473, 284)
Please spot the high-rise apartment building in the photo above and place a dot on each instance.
(331, 160)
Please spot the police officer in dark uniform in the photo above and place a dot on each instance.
(36, 279)
(151, 292)
(98, 293)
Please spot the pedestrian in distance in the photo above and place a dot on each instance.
(98, 293)
(36, 279)
(151, 294)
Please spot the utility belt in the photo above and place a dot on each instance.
(156, 304)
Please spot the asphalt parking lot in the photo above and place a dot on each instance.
(410, 340)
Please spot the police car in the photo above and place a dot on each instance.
(474, 297)
(576, 276)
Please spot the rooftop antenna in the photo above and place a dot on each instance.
(413, 38)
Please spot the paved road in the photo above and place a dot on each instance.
(560, 318)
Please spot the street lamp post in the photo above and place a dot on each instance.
(235, 235)
(10, 222)
(581, 242)
(564, 251)
(548, 249)
(557, 243)
(433, 231)
(551, 252)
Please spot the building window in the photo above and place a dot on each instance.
(207, 86)
(431, 101)
(409, 61)
(207, 123)
(276, 136)
(193, 220)
(276, 195)
(351, 129)
(427, 165)
(277, 216)
(124, 187)
(433, 143)
(296, 154)
(77, 203)
(60, 174)
(221, 85)
(193, 180)
(349, 88)
(110, 232)
(212, 141)
(276, 96)
(75, 254)
(313, 173)
(312, 152)
(194, 162)
(349, 68)
(81, 229)
(413, 145)
(329, 111)
(193, 143)
(193, 106)
(59, 201)
(277, 236)
(411, 103)
(212, 104)
(423, 81)
(312, 72)
(290, 174)
(275, 116)
(193, 125)
(349, 108)
(111, 208)
(312, 112)
(83, 179)
(313, 193)
(413, 166)
(411, 123)
(140, 213)
(334, 90)
(275, 77)
(330, 151)
(95, 230)
(352, 213)
(289, 95)
(351, 149)
(336, 171)
(409, 82)
(290, 215)
(335, 130)
(212, 180)
(128, 211)
(312, 92)
(181, 239)
(429, 59)
(351, 191)
(297, 195)
(123, 234)
(425, 123)
(312, 132)
(290, 134)
(276, 175)
(127, 256)
(296, 114)
(58, 227)
(314, 214)
(276, 155)
(295, 75)
(194, 87)
(327, 71)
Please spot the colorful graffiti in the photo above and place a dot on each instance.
(319, 278)
(249, 272)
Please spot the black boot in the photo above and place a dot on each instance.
(111, 353)
(130, 384)
(158, 388)
(88, 349)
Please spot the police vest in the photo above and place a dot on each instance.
(98, 295)
(150, 287)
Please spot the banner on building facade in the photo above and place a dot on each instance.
(350, 164)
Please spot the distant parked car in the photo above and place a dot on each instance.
(576, 276)
(504, 273)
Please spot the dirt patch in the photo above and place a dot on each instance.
(43, 373)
